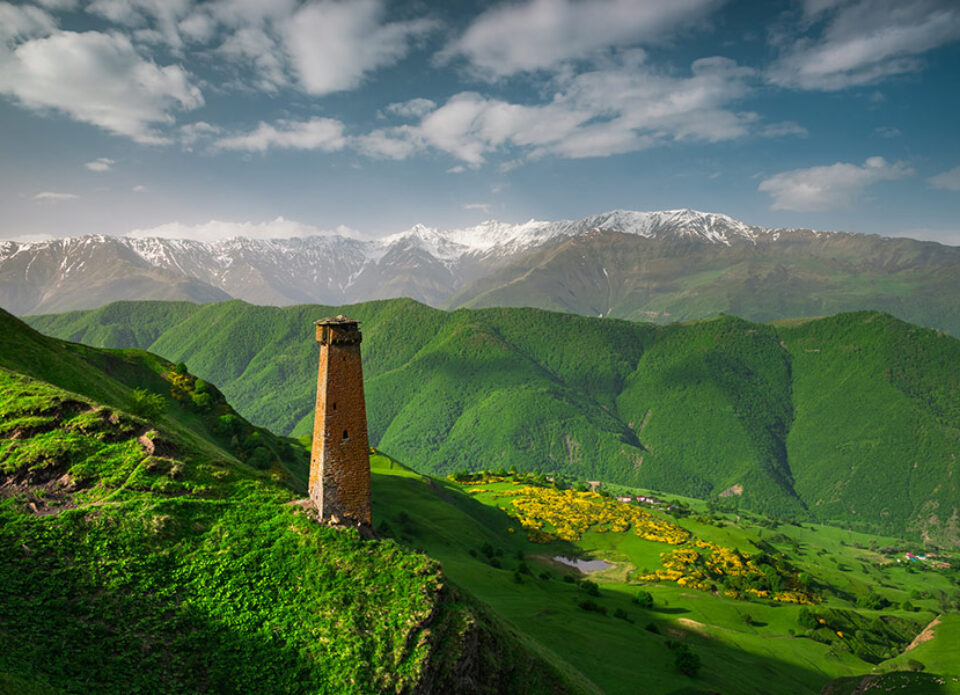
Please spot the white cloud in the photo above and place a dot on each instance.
(865, 41)
(190, 133)
(621, 108)
(23, 22)
(100, 164)
(828, 187)
(392, 143)
(459, 169)
(413, 108)
(777, 130)
(334, 44)
(99, 79)
(324, 134)
(165, 15)
(55, 197)
(947, 180)
(539, 34)
(139, 189)
(215, 230)
(483, 207)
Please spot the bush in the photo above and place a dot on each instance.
(652, 627)
(495, 563)
(568, 578)
(589, 588)
(807, 619)
(644, 599)
(914, 665)
(147, 405)
(686, 661)
(259, 458)
(592, 606)
(622, 614)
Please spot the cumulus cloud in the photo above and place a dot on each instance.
(333, 45)
(859, 42)
(625, 106)
(100, 164)
(538, 34)
(99, 79)
(53, 197)
(324, 134)
(216, 230)
(25, 22)
(947, 180)
(621, 108)
(828, 187)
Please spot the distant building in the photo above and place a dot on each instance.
(595, 485)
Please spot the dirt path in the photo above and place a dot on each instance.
(925, 635)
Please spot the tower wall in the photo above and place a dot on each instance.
(340, 456)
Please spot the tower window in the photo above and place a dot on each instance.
(344, 434)
(334, 406)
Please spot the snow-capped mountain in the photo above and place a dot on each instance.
(606, 264)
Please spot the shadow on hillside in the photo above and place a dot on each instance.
(409, 505)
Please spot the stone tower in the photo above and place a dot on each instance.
(340, 457)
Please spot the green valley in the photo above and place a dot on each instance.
(850, 419)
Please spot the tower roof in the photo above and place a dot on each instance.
(338, 320)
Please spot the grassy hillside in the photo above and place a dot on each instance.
(166, 554)
(622, 631)
(850, 419)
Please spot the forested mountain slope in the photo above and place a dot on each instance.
(850, 419)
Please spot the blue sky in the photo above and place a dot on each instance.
(205, 119)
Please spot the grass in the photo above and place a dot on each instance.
(768, 653)
(143, 556)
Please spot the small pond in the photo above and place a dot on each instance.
(583, 565)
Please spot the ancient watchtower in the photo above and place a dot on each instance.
(340, 458)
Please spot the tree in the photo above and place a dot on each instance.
(644, 599)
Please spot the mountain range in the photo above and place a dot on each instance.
(852, 419)
(657, 266)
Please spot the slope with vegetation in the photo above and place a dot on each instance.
(625, 632)
(849, 419)
(148, 545)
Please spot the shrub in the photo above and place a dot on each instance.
(592, 606)
(686, 661)
(568, 578)
(622, 614)
(259, 457)
(644, 599)
(495, 563)
(652, 627)
(589, 588)
(147, 405)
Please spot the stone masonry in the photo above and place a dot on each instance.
(340, 456)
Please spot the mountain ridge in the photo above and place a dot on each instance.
(661, 266)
